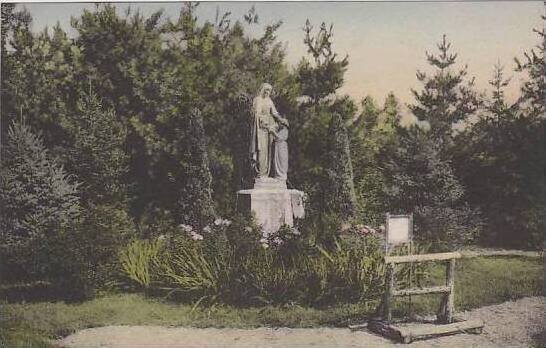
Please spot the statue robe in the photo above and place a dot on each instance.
(280, 162)
(261, 141)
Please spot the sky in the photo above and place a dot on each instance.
(385, 41)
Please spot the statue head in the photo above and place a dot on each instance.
(265, 90)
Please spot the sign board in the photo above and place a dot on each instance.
(399, 229)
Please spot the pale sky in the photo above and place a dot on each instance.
(385, 41)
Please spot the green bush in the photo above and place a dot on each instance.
(104, 231)
(230, 262)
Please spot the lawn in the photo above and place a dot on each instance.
(480, 281)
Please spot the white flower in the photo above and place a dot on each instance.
(248, 229)
(222, 222)
(265, 245)
(277, 241)
(161, 237)
(263, 240)
(207, 229)
(186, 228)
(196, 236)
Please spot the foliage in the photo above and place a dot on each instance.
(446, 98)
(222, 265)
(104, 231)
(326, 76)
(316, 112)
(39, 202)
(534, 90)
(372, 135)
(295, 269)
(97, 155)
(504, 147)
(137, 259)
(341, 196)
(195, 202)
(38, 81)
(419, 181)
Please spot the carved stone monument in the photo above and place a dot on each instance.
(270, 200)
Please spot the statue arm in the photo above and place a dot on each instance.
(274, 111)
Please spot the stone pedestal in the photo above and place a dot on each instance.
(272, 203)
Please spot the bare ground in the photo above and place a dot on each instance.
(511, 324)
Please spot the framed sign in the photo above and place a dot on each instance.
(399, 229)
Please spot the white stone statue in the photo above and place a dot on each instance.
(280, 153)
(271, 202)
(264, 125)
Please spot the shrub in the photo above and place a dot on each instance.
(104, 231)
(230, 262)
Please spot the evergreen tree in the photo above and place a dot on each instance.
(501, 160)
(372, 133)
(420, 181)
(446, 99)
(317, 80)
(390, 117)
(38, 203)
(38, 82)
(97, 155)
(195, 203)
(341, 197)
(533, 96)
(322, 79)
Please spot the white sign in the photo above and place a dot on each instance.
(398, 229)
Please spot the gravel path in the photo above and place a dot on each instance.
(510, 324)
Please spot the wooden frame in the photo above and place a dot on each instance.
(446, 317)
(448, 290)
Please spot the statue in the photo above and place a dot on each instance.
(271, 202)
(263, 128)
(280, 156)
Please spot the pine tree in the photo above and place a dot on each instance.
(322, 79)
(38, 202)
(38, 82)
(506, 147)
(390, 116)
(341, 197)
(37, 194)
(420, 181)
(446, 99)
(97, 155)
(534, 90)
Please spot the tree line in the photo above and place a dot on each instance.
(139, 124)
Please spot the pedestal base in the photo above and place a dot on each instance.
(273, 204)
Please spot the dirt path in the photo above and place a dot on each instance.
(510, 324)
